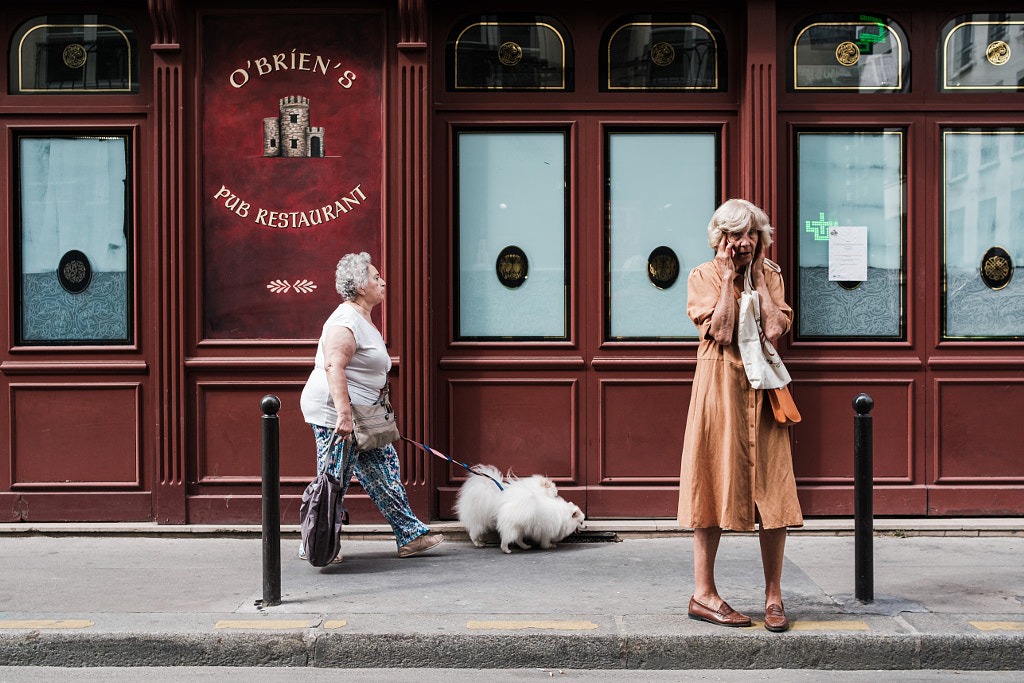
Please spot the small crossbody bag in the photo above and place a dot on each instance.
(375, 425)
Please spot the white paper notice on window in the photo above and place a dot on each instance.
(848, 253)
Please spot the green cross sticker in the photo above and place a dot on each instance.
(819, 228)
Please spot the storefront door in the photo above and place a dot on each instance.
(566, 349)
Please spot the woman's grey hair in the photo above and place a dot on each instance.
(352, 274)
(738, 215)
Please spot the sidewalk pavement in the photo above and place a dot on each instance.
(948, 594)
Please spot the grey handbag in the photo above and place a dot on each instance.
(322, 513)
(375, 425)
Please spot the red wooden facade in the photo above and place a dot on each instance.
(230, 252)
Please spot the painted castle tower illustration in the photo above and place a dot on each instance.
(290, 135)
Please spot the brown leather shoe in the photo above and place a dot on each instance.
(420, 544)
(775, 618)
(723, 616)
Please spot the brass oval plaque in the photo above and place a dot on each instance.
(847, 53)
(849, 285)
(74, 272)
(512, 267)
(662, 267)
(996, 268)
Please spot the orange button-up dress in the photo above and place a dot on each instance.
(737, 463)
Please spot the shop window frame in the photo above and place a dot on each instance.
(130, 134)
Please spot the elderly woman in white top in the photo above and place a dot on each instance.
(351, 366)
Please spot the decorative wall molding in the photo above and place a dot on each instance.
(164, 14)
(412, 21)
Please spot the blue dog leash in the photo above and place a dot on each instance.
(439, 454)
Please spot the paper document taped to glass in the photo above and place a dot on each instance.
(848, 253)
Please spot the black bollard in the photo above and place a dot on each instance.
(270, 404)
(863, 499)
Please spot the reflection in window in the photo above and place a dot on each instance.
(668, 53)
(982, 52)
(850, 179)
(74, 239)
(983, 210)
(84, 53)
(662, 190)
(511, 191)
(850, 53)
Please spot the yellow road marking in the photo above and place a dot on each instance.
(47, 623)
(998, 625)
(263, 625)
(335, 623)
(520, 625)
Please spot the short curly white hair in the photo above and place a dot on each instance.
(352, 274)
(738, 215)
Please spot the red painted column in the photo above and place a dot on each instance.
(407, 248)
(758, 135)
(168, 461)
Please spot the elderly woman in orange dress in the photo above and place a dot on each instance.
(737, 465)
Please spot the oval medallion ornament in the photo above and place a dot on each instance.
(997, 53)
(512, 267)
(847, 53)
(510, 53)
(662, 267)
(74, 272)
(849, 285)
(996, 268)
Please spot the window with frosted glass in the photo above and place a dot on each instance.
(662, 190)
(850, 183)
(982, 52)
(983, 239)
(511, 235)
(74, 237)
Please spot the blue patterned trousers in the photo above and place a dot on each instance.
(377, 472)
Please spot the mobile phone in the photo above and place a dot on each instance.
(732, 252)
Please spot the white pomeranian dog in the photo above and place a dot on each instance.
(479, 498)
(530, 514)
(529, 505)
(477, 503)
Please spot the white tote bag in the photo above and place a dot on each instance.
(761, 361)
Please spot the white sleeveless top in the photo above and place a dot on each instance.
(366, 372)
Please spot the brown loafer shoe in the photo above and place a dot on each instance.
(420, 544)
(775, 618)
(723, 616)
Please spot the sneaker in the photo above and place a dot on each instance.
(420, 544)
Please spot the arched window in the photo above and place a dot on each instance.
(982, 52)
(81, 53)
(651, 52)
(857, 53)
(509, 52)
